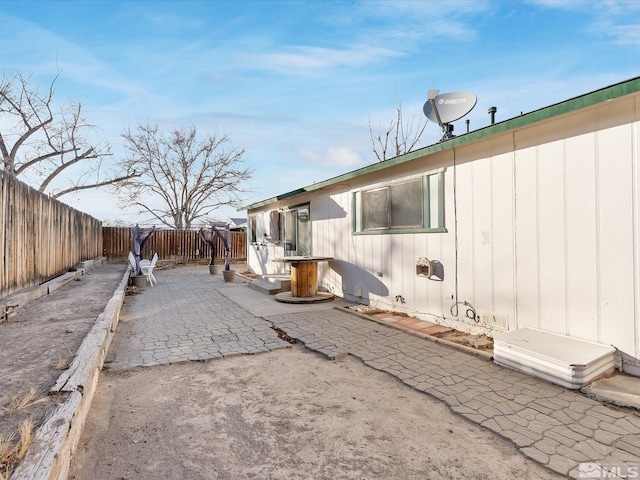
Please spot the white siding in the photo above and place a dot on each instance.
(527, 242)
(503, 239)
(551, 237)
(581, 247)
(481, 232)
(615, 237)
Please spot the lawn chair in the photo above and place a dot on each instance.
(132, 261)
(147, 268)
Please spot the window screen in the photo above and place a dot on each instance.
(375, 209)
(407, 205)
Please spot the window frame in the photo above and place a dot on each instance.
(429, 179)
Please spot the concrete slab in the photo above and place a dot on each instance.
(271, 284)
(287, 297)
(267, 288)
(260, 304)
(619, 389)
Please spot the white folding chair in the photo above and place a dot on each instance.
(132, 261)
(147, 269)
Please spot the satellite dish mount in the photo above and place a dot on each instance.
(447, 108)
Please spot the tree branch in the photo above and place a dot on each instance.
(404, 136)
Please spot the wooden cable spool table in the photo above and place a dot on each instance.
(304, 280)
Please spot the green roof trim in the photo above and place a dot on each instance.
(583, 101)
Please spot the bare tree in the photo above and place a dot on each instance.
(184, 177)
(42, 143)
(399, 138)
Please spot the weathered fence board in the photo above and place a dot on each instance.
(180, 245)
(41, 238)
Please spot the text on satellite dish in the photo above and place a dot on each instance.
(452, 101)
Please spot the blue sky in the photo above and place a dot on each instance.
(295, 83)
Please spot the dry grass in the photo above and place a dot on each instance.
(6, 451)
(25, 430)
(64, 361)
(12, 451)
(131, 290)
(23, 401)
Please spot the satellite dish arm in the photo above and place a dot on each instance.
(431, 96)
(432, 101)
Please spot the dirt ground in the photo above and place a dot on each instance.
(286, 414)
(39, 341)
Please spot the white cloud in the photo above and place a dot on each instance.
(628, 35)
(609, 18)
(305, 60)
(560, 4)
(342, 157)
(417, 22)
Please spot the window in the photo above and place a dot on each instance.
(256, 228)
(405, 206)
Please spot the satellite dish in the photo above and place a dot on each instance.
(448, 107)
(451, 106)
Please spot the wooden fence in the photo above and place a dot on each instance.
(176, 245)
(41, 238)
